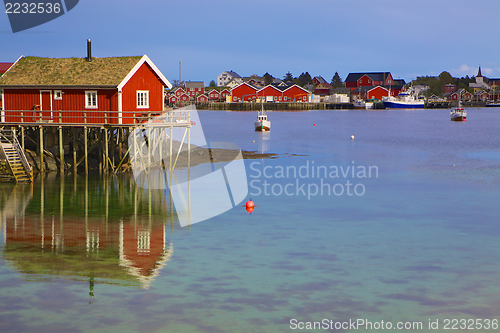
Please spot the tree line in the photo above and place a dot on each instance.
(436, 83)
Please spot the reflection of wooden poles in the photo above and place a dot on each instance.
(75, 147)
(189, 171)
(61, 150)
(170, 175)
(61, 209)
(86, 204)
(40, 146)
(85, 134)
(42, 207)
(106, 152)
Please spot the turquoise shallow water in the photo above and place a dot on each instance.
(420, 243)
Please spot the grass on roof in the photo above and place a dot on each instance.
(69, 71)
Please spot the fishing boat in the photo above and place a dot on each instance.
(262, 124)
(359, 104)
(405, 100)
(458, 114)
(493, 104)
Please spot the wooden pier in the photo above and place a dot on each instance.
(73, 146)
(282, 106)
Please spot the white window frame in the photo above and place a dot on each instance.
(57, 94)
(92, 104)
(144, 103)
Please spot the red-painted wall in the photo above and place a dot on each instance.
(296, 94)
(377, 93)
(72, 106)
(271, 91)
(243, 91)
(143, 79)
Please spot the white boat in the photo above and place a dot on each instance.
(359, 104)
(405, 100)
(262, 124)
(458, 114)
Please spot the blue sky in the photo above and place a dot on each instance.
(407, 38)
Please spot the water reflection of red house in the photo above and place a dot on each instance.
(139, 251)
(143, 251)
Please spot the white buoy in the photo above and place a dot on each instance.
(352, 137)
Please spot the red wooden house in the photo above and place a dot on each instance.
(462, 95)
(172, 99)
(201, 99)
(214, 95)
(184, 98)
(114, 90)
(481, 95)
(224, 93)
(296, 93)
(449, 88)
(355, 80)
(368, 92)
(178, 91)
(244, 93)
(270, 93)
(317, 80)
(194, 89)
(322, 89)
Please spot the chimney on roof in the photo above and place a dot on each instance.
(89, 50)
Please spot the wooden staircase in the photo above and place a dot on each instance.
(16, 159)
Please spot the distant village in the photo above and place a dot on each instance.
(230, 87)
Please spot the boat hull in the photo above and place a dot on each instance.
(459, 118)
(403, 105)
(262, 125)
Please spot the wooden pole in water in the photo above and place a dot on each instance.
(106, 151)
(112, 137)
(75, 147)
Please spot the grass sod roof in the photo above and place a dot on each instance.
(37, 71)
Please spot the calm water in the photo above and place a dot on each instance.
(417, 239)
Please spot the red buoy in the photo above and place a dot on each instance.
(250, 210)
(250, 204)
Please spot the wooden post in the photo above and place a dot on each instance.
(112, 136)
(75, 147)
(106, 152)
(120, 137)
(22, 137)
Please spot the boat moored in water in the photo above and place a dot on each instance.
(405, 100)
(458, 114)
(493, 104)
(262, 123)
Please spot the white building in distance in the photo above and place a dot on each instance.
(225, 77)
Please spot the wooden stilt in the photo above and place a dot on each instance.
(75, 148)
(106, 152)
